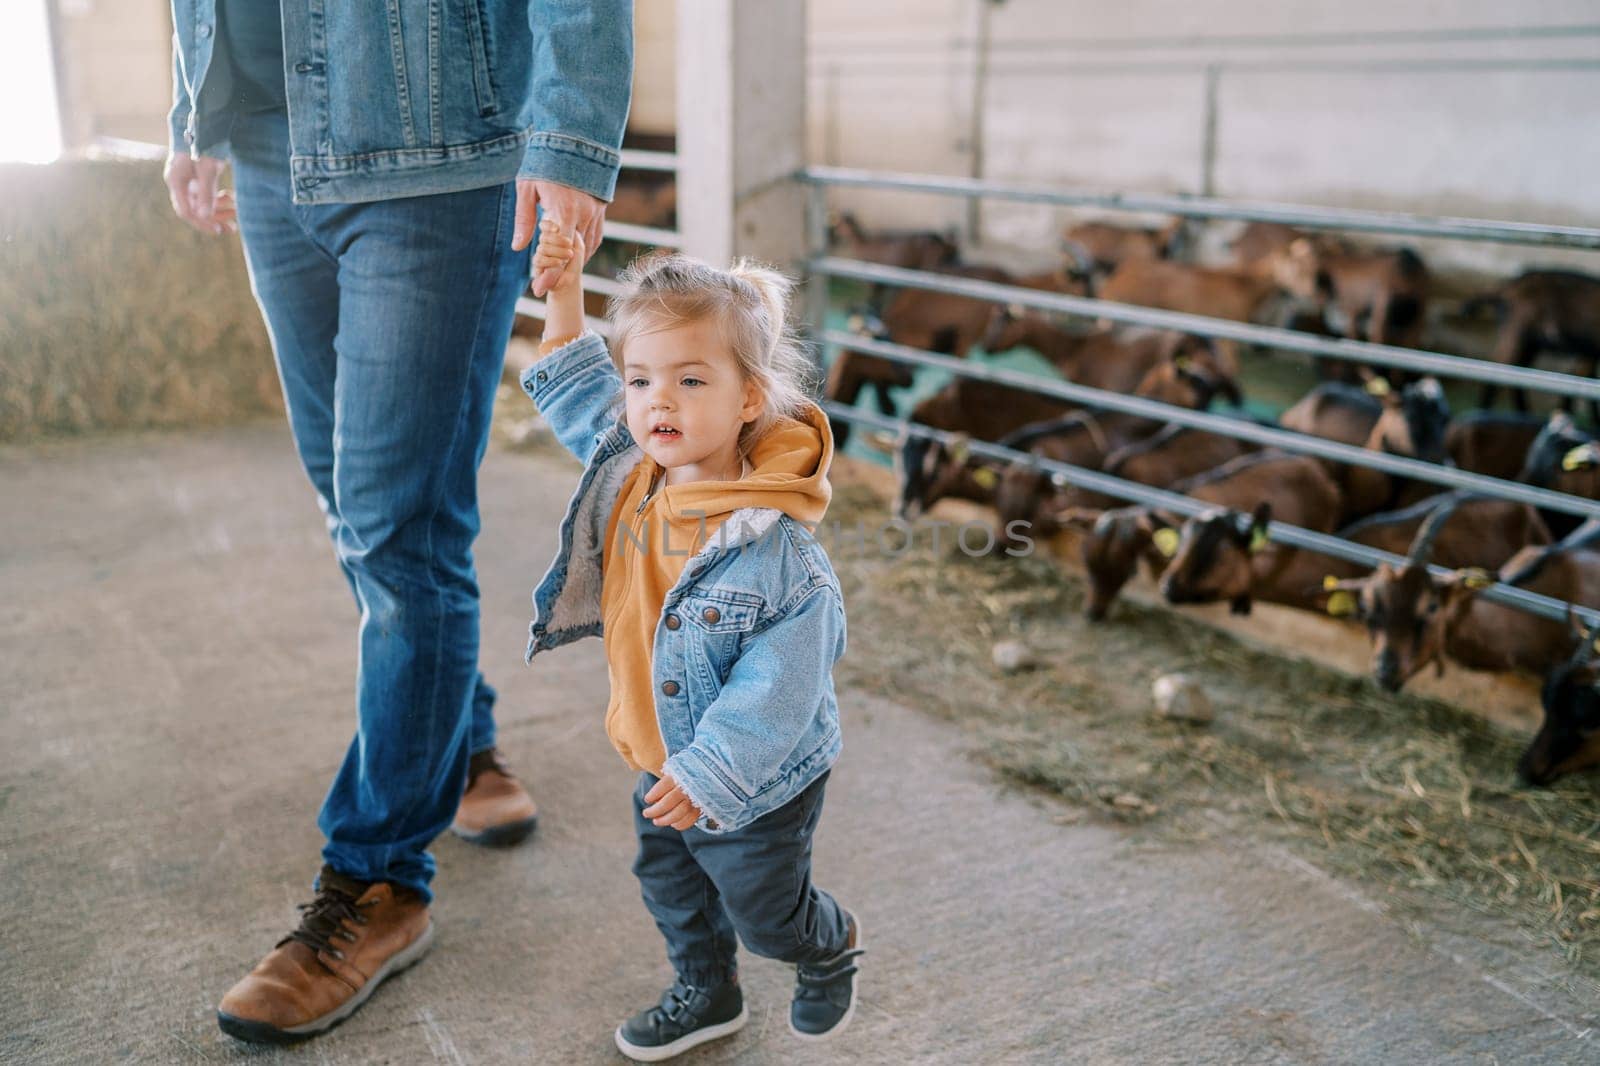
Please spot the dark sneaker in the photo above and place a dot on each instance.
(825, 992)
(351, 937)
(495, 811)
(686, 1017)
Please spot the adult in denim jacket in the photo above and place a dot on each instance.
(737, 765)
(390, 160)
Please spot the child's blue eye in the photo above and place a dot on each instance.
(636, 381)
(696, 381)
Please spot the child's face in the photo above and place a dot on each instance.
(685, 377)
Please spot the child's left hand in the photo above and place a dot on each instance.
(669, 806)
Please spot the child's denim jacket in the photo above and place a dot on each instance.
(752, 718)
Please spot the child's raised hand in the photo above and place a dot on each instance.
(669, 806)
(559, 249)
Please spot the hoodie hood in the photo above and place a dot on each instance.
(789, 473)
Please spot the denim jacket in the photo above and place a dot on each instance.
(413, 97)
(753, 719)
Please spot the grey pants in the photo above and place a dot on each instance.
(703, 887)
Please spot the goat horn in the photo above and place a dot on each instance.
(1422, 544)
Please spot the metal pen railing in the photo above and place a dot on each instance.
(824, 266)
(1147, 496)
(1395, 222)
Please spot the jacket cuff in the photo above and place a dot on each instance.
(722, 807)
(572, 161)
(546, 375)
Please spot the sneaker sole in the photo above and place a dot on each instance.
(684, 1042)
(855, 995)
(500, 836)
(254, 1032)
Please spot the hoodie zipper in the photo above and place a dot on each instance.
(648, 493)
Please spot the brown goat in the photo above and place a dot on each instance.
(1378, 296)
(1100, 247)
(1410, 422)
(933, 321)
(1544, 310)
(1219, 293)
(1560, 459)
(1493, 443)
(1569, 737)
(1085, 438)
(1260, 245)
(1173, 454)
(1113, 359)
(928, 471)
(1225, 554)
(908, 249)
(1414, 618)
(1113, 542)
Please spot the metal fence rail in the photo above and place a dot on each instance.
(1452, 366)
(1465, 229)
(1239, 428)
(1145, 495)
(824, 266)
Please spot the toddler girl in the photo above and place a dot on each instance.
(688, 547)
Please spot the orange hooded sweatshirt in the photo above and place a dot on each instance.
(786, 469)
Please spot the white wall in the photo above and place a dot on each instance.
(1468, 107)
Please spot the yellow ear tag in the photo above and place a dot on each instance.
(1574, 460)
(1258, 538)
(1342, 603)
(1474, 578)
(1330, 583)
(857, 323)
(985, 477)
(1182, 362)
(1378, 386)
(1166, 541)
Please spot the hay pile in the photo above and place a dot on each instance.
(115, 315)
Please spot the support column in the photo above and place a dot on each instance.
(741, 129)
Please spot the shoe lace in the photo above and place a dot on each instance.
(815, 980)
(322, 921)
(488, 759)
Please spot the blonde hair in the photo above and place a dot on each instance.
(749, 302)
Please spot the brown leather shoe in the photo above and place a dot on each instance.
(351, 937)
(495, 811)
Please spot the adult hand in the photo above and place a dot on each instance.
(669, 806)
(575, 209)
(192, 186)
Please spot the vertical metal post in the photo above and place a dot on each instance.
(980, 92)
(741, 129)
(816, 320)
(1208, 144)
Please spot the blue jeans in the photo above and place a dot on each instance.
(389, 322)
(701, 888)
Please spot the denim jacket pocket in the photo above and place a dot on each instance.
(481, 45)
(721, 618)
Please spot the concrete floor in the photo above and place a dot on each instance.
(176, 655)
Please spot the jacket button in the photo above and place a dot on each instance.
(711, 615)
(202, 31)
(669, 687)
(302, 68)
(673, 622)
(541, 375)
